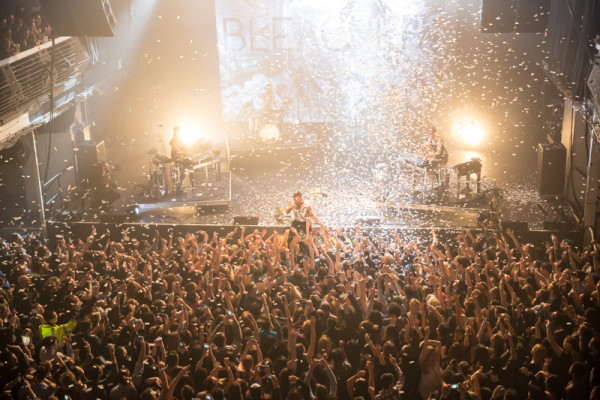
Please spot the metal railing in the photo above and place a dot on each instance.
(25, 77)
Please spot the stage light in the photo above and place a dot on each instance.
(470, 132)
(189, 133)
(132, 211)
(269, 134)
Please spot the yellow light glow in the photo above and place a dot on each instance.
(470, 132)
(189, 133)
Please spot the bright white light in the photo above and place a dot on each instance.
(269, 134)
(472, 154)
(470, 132)
(189, 133)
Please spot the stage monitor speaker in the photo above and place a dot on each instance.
(245, 219)
(498, 16)
(551, 168)
(532, 15)
(79, 17)
(87, 156)
(559, 226)
(368, 221)
(517, 226)
(112, 218)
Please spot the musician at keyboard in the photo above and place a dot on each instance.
(184, 153)
(189, 157)
(433, 150)
(178, 147)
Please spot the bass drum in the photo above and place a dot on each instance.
(269, 134)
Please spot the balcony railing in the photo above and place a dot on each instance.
(25, 81)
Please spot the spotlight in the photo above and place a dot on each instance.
(470, 132)
(189, 133)
(269, 134)
(133, 212)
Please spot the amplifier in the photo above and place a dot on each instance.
(245, 219)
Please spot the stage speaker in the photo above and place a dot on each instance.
(79, 17)
(87, 156)
(498, 16)
(559, 226)
(245, 219)
(532, 15)
(368, 221)
(112, 218)
(551, 168)
(517, 226)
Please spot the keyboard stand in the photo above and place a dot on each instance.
(214, 162)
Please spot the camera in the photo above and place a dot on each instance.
(455, 386)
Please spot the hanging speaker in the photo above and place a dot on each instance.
(498, 16)
(532, 15)
(79, 17)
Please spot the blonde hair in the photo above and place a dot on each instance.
(414, 305)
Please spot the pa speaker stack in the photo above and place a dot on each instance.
(79, 17)
(551, 164)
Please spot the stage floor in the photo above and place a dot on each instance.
(340, 175)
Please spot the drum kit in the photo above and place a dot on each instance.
(268, 126)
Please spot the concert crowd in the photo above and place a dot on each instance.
(333, 315)
(22, 30)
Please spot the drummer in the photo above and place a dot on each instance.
(271, 109)
(269, 100)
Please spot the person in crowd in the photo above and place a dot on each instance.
(433, 149)
(22, 29)
(301, 214)
(243, 315)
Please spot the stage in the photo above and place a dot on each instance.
(343, 179)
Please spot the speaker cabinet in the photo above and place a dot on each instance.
(551, 168)
(245, 219)
(532, 15)
(79, 17)
(368, 221)
(517, 226)
(498, 16)
(87, 156)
